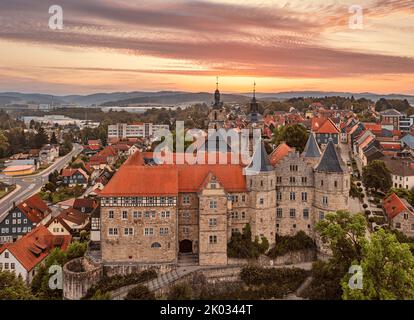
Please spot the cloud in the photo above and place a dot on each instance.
(230, 39)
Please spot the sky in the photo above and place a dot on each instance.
(151, 45)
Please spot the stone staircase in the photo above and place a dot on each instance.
(187, 259)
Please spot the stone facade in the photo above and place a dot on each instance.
(292, 196)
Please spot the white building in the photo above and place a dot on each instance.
(139, 130)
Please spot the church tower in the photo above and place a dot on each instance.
(217, 115)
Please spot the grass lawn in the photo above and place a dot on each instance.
(4, 193)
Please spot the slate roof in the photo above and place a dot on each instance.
(311, 149)
(260, 161)
(408, 140)
(330, 161)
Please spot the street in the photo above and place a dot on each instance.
(29, 185)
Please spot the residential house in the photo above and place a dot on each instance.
(25, 255)
(72, 177)
(325, 130)
(49, 153)
(402, 172)
(391, 119)
(85, 205)
(69, 221)
(400, 214)
(22, 218)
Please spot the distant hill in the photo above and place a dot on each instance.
(172, 97)
(177, 98)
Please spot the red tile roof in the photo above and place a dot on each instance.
(84, 203)
(169, 180)
(74, 216)
(32, 248)
(393, 206)
(70, 172)
(372, 126)
(279, 153)
(326, 127)
(34, 208)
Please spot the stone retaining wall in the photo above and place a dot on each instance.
(293, 257)
(125, 269)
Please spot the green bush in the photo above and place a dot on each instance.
(76, 250)
(107, 284)
(180, 292)
(140, 292)
(285, 244)
(241, 246)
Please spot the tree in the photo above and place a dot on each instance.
(13, 288)
(241, 245)
(344, 234)
(53, 139)
(295, 136)
(76, 250)
(140, 292)
(4, 144)
(388, 270)
(377, 176)
(40, 139)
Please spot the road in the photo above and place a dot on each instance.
(29, 185)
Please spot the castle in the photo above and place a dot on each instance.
(149, 214)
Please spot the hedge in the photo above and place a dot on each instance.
(285, 244)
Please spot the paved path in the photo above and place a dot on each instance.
(170, 277)
(29, 185)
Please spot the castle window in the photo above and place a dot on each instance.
(137, 214)
(294, 226)
(212, 222)
(186, 230)
(128, 231)
(234, 215)
(234, 231)
(243, 215)
(325, 201)
(163, 231)
(292, 213)
(321, 183)
(213, 204)
(279, 196)
(111, 214)
(278, 180)
(304, 179)
(186, 199)
(261, 201)
(293, 168)
(261, 183)
(148, 231)
(147, 214)
(321, 215)
(336, 184)
(124, 215)
(153, 214)
(243, 198)
(155, 245)
(292, 196)
(305, 213)
(292, 179)
(165, 214)
(186, 215)
(212, 239)
(304, 196)
(113, 231)
(279, 213)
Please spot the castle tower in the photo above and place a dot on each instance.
(217, 115)
(260, 180)
(312, 152)
(331, 183)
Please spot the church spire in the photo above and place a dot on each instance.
(217, 103)
(217, 83)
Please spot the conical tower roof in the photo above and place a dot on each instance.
(330, 161)
(312, 149)
(260, 161)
